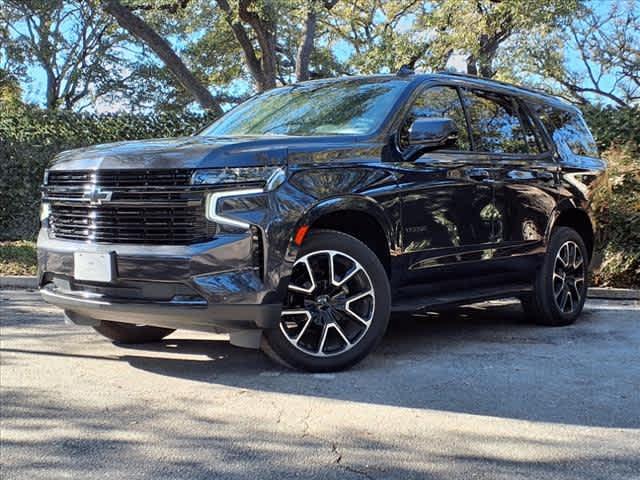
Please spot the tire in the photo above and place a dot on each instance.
(130, 334)
(560, 289)
(330, 324)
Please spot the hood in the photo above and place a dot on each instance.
(184, 152)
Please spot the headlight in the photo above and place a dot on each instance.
(45, 211)
(213, 199)
(271, 177)
(264, 179)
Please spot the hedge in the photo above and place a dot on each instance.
(30, 137)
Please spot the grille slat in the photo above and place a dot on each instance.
(146, 206)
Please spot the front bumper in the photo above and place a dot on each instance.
(213, 286)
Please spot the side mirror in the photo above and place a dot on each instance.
(433, 132)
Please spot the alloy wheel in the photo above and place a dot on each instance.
(568, 277)
(330, 304)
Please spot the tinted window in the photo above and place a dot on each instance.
(345, 107)
(436, 102)
(495, 123)
(533, 136)
(568, 131)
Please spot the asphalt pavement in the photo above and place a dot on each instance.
(469, 393)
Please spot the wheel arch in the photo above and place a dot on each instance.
(358, 216)
(577, 218)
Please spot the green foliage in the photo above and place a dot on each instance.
(617, 132)
(30, 138)
(621, 211)
(614, 127)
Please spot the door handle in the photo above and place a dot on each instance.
(478, 173)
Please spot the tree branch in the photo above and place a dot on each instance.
(137, 27)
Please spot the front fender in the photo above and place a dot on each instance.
(353, 203)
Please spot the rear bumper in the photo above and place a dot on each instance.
(211, 286)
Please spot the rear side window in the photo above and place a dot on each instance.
(568, 131)
(436, 102)
(495, 123)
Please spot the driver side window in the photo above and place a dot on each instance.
(437, 102)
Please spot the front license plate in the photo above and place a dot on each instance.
(93, 267)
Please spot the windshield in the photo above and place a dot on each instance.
(346, 107)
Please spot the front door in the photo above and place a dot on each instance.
(448, 212)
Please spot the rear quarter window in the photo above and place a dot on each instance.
(568, 131)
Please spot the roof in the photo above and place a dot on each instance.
(505, 87)
(461, 79)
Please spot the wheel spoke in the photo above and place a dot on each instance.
(578, 261)
(347, 306)
(323, 339)
(297, 288)
(564, 295)
(298, 312)
(338, 329)
(572, 254)
(556, 291)
(303, 330)
(561, 255)
(338, 283)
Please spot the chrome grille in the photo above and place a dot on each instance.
(143, 206)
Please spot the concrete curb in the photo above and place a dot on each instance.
(17, 282)
(614, 293)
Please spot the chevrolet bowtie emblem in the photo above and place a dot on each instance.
(96, 195)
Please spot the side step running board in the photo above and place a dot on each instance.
(459, 297)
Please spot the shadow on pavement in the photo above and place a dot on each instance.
(480, 360)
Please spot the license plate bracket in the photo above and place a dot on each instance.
(94, 267)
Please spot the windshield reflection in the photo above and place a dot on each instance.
(343, 107)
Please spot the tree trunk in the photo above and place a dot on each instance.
(306, 45)
(472, 68)
(145, 33)
(265, 30)
(254, 64)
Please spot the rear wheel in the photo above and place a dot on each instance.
(128, 334)
(337, 306)
(560, 288)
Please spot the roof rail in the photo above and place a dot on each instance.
(500, 82)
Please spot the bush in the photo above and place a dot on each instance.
(613, 127)
(621, 259)
(31, 137)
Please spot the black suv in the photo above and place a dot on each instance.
(300, 219)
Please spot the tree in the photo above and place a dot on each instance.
(11, 67)
(596, 56)
(70, 40)
(141, 30)
(379, 35)
(478, 29)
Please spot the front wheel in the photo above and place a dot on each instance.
(337, 306)
(560, 288)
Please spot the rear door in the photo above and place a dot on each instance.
(525, 177)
